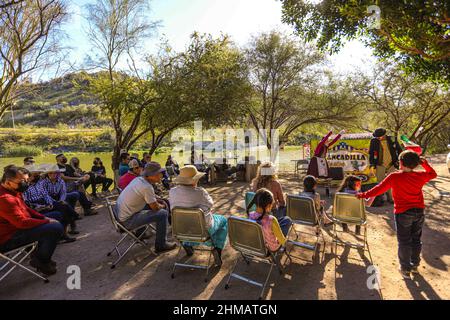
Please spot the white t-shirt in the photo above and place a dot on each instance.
(190, 197)
(134, 198)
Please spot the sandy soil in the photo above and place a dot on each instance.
(341, 276)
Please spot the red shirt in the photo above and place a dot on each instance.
(406, 188)
(16, 215)
(125, 180)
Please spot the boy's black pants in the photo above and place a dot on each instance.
(409, 231)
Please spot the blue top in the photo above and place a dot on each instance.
(123, 168)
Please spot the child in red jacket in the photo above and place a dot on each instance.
(409, 205)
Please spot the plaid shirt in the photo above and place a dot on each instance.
(36, 194)
(56, 191)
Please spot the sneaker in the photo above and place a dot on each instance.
(406, 274)
(46, 268)
(167, 247)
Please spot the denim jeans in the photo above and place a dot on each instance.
(279, 212)
(47, 236)
(285, 223)
(73, 197)
(409, 231)
(146, 217)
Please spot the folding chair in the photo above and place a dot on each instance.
(302, 211)
(126, 233)
(246, 237)
(189, 226)
(350, 210)
(15, 258)
(248, 198)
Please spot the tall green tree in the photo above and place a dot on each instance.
(29, 31)
(415, 33)
(117, 31)
(404, 104)
(205, 82)
(289, 90)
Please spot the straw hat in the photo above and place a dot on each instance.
(47, 168)
(34, 168)
(188, 175)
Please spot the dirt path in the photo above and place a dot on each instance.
(147, 277)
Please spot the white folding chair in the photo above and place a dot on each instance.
(246, 237)
(302, 211)
(126, 233)
(189, 226)
(15, 258)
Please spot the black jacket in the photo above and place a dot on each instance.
(375, 149)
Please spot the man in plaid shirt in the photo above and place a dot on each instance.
(37, 197)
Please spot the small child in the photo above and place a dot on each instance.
(351, 185)
(275, 230)
(309, 191)
(409, 205)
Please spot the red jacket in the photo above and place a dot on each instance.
(125, 180)
(406, 188)
(16, 215)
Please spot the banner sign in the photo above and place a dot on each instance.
(352, 153)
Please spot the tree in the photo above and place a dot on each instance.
(415, 33)
(206, 82)
(404, 104)
(28, 42)
(288, 91)
(117, 30)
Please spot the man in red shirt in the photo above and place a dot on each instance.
(134, 172)
(21, 225)
(409, 205)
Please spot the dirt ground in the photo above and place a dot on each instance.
(328, 276)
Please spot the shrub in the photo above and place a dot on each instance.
(21, 151)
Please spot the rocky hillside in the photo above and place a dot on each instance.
(61, 101)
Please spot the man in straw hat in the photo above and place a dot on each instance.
(187, 194)
(139, 195)
(37, 198)
(56, 188)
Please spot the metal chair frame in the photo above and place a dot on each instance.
(16, 257)
(316, 223)
(273, 259)
(202, 242)
(127, 233)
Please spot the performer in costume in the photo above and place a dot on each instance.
(318, 166)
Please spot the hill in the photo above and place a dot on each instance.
(60, 101)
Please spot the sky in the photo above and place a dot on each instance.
(240, 19)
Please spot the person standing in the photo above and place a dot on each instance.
(318, 167)
(409, 206)
(383, 156)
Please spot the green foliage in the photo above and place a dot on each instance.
(21, 151)
(415, 33)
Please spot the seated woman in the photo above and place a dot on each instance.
(275, 230)
(309, 191)
(99, 171)
(266, 178)
(351, 185)
(187, 194)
